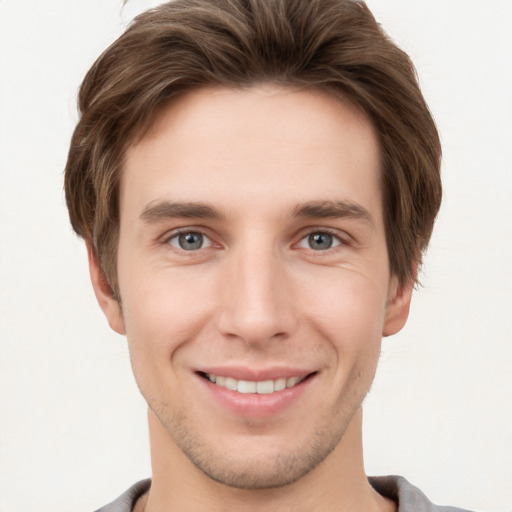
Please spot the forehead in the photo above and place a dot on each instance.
(217, 143)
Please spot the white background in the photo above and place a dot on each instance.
(73, 428)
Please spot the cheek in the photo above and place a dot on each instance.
(348, 303)
(163, 308)
(162, 316)
(349, 315)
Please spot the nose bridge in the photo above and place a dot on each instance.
(256, 303)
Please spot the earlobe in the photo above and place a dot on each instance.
(104, 294)
(399, 303)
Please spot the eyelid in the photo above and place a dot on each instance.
(343, 238)
(304, 241)
(174, 233)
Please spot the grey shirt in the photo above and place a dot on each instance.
(396, 488)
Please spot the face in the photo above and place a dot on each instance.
(254, 278)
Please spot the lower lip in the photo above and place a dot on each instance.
(255, 405)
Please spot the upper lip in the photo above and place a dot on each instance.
(255, 374)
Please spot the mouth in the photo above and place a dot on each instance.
(262, 387)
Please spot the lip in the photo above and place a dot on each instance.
(254, 405)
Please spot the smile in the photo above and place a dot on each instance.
(263, 387)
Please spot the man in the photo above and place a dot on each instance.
(256, 182)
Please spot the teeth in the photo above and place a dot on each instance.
(292, 381)
(279, 384)
(249, 386)
(231, 384)
(265, 386)
(246, 386)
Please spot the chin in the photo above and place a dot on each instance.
(258, 474)
(258, 463)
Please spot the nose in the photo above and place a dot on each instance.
(256, 303)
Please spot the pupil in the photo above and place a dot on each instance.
(320, 241)
(191, 241)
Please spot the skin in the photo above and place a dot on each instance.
(258, 294)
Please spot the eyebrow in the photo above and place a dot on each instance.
(162, 210)
(333, 209)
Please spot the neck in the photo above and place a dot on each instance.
(338, 483)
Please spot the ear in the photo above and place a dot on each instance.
(399, 302)
(104, 294)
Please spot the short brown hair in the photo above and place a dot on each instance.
(331, 45)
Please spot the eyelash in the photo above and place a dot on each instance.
(189, 231)
(339, 241)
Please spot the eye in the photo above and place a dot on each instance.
(319, 241)
(190, 241)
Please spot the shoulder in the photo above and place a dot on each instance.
(408, 497)
(127, 500)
